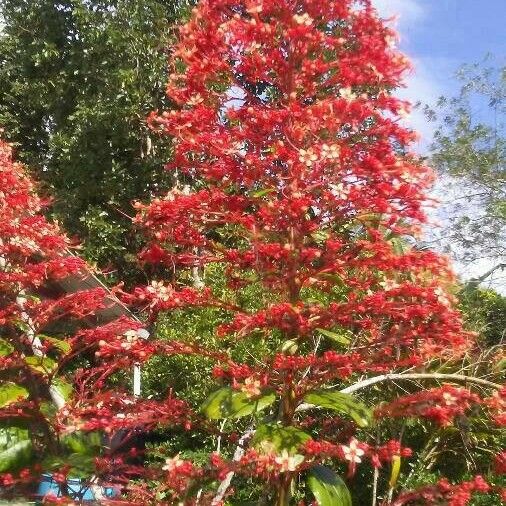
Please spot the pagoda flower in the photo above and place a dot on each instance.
(307, 156)
(331, 152)
(287, 462)
(303, 19)
(251, 387)
(347, 94)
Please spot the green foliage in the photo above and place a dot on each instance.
(341, 403)
(273, 436)
(485, 312)
(227, 403)
(15, 448)
(328, 488)
(10, 393)
(77, 80)
(470, 149)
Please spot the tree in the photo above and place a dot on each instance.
(304, 188)
(77, 79)
(470, 150)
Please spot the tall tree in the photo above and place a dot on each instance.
(469, 150)
(304, 186)
(77, 78)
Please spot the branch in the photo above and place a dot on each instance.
(457, 378)
(483, 277)
(239, 452)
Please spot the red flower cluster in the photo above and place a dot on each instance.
(441, 405)
(445, 493)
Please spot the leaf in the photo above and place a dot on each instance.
(341, 403)
(272, 436)
(62, 387)
(328, 488)
(15, 448)
(338, 338)
(44, 365)
(83, 443)
(10, 393)
(289, 347)
(228, 403)
(5, 348)
(261, 193)
(61, 345)
(396, 469)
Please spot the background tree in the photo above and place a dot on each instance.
(77, 79)
(469, 150)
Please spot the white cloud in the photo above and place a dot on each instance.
(409, 11)
(426, 83)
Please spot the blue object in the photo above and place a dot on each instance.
(77, 489)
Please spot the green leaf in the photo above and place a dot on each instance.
(83, 443)
(289, 347)
(81, 465)
(276, 437)
(44, 365)
(261, 193)
(341, 403)
(396, 469)
(228, 403)
(338, 338)
(62, 387)
(10, 393)
(328, 488)
(61, 345)
(5, 348)
(15, 448)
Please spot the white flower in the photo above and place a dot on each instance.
(171, 464)
(442, 296)
(449, 399)
(307, 156)
(287, 462)
(331, 152)
(195, 100)
(340, 191)
(251, 387)
(159, 290)
(303, 19)
(347, 94)
(352, 452)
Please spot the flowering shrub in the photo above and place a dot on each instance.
(52, 411)
(304, 187)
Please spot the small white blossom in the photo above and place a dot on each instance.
(171, 464)
(287, 462)
(347, 94)
(352, 452)
(303, 19)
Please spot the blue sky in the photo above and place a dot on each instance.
(441, 35)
